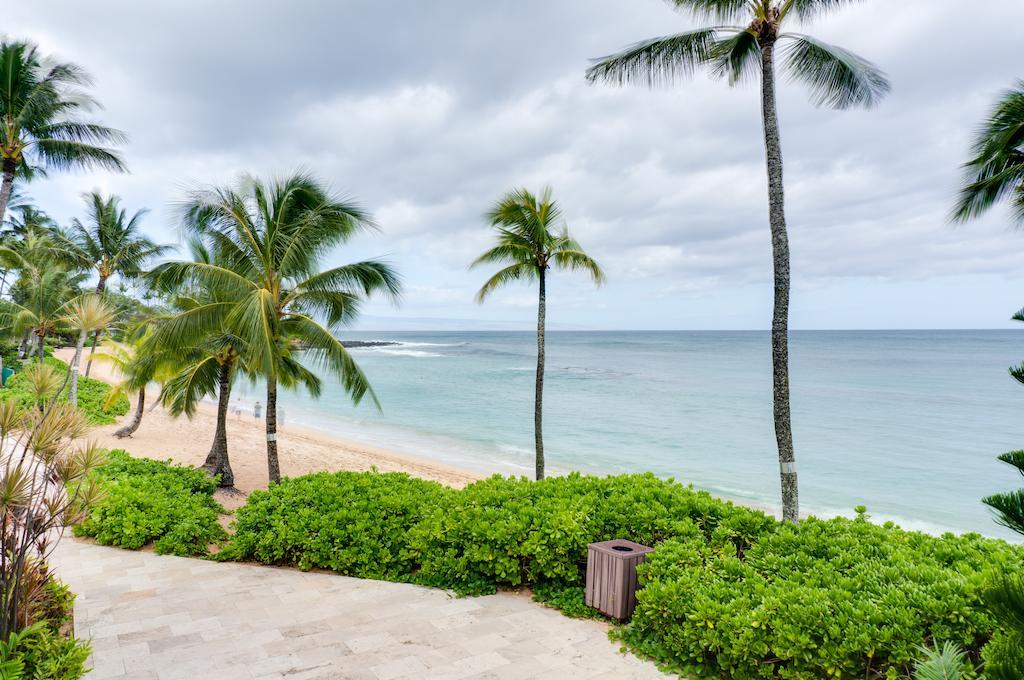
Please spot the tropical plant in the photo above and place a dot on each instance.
(948, 662)
(271, 237)
(40, 101)
(836, 78)
(996, 172)
(532, 239)
(86, 314)
(44, 294)
(45, 485)
(109, 243)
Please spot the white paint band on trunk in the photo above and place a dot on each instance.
(787, 468)
(272, 437)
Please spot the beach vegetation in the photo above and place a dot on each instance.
(532, 239)
(268, 240)
(30, 387)
(753, 38)
(153, 502)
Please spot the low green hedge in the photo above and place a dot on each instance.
(91, 395)
(729, 592)
(353, 523)
(149, 501)
(838, 598)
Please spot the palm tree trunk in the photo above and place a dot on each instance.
(6, 186)
(75, 361)
(273, 465)
(217, 460)
(41, 347)
(538, 434)
(780, 317)
(130, 428)
(96, 334)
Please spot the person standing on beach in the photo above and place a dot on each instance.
(257, 410)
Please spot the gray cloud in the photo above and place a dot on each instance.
(428, 111)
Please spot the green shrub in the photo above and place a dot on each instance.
(91, 395)
(838, 598)
(42, 651)
(148, 501)
(509, 532)
(353, 523)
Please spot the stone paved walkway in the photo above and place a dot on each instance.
(169, 618)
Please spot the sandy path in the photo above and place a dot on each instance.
(301, 450)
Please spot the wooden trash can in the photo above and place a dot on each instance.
(611, 576)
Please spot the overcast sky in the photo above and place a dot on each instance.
(427, 111)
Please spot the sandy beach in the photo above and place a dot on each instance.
(301, 450)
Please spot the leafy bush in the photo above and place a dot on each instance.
(149, 501)
(42, 651)
(91, 395)
(353, 523)
(509, 532)
(838, 598)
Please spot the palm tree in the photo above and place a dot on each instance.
(836, 78)
(532, 239)
(205, 365)
(109, 243)
(86, 314)
(43, 303)
(137, 368)
(39, 127)
(270, 238)
(997, 170)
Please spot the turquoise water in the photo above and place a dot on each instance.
(907, 423)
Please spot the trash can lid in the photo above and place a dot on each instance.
(620, 547)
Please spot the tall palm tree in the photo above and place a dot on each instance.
(271, 238)
(86, 314)
(746, 47)
(209, 359)
(997, 170)
(40, 102)
(532, 238)
(110, 243)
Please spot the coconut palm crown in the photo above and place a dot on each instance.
(269, 239)
(744, 41)
(531, 240)
(40, 128)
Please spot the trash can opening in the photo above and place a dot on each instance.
(622, 548)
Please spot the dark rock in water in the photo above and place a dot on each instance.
(367, 343)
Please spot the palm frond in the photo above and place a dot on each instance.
(805, 10)
(836, 77)
(327, 351)
(737, 58)
(717, 10)
(577, 260)
(658, 61)
(997, 170)
(948, 662)
(510, 274)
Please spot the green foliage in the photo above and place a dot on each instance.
(838, 598)
(570, 600)
(947, 662)
(91, 395)
(353, 523)
(42, 651)
(9, 354)
(1004, 656)
(149, 501)
(509, 532)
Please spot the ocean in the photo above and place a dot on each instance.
(907, 423)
